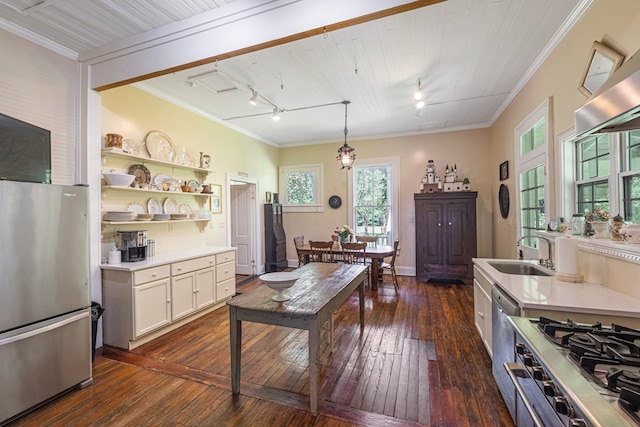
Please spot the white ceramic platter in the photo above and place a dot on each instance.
(170, 206)
(154, 206)
(160, 146)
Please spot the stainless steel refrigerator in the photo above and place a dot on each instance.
(45, 323)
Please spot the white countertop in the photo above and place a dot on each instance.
(168, 258)
(549, 293)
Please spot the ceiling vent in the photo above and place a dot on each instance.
(215, 81)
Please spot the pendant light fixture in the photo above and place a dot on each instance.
(346, 155)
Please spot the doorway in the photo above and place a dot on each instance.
(244, 223)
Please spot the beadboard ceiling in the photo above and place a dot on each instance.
(471, 57)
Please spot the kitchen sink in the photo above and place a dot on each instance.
(519, 268)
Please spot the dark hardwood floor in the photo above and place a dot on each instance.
(419, 361)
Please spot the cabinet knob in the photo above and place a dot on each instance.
(481, 314)
(169, 301)
(449, 224)
(439, 225)
(179, 268)
(154, 274)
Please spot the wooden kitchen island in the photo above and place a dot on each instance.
(320, 291)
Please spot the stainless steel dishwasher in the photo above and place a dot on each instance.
(503, 344)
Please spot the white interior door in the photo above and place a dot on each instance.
(242, 210)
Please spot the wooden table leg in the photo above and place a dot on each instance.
(236, 346)
(314, 344)
(375, 271)
(361, 295)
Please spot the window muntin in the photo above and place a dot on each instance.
(533, 138)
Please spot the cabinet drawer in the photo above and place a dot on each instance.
(225, 289)
(225, 257)
(483, 280)
(192, 265)
(149, 274)
(225, 271)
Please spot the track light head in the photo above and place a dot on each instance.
(275, 116)
(254, 97)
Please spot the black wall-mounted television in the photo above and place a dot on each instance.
(25, 151)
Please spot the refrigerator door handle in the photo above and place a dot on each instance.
(40, 328)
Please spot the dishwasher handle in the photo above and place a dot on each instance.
(504, 302)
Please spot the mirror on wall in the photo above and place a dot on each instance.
(602, 62)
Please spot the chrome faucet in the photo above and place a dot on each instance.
(548, 263)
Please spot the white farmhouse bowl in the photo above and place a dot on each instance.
(279, 282)
(119, 179)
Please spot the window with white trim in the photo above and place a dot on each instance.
(301, 188)
(532, 181)
(593, 173)
(630, 177)
(373, 195)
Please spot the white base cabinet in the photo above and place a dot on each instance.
(482, 306)
(143, 304)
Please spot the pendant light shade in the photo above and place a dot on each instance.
(346, 154)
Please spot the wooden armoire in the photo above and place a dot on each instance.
(275, 245)
(446, 238)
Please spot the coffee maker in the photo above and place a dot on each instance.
(133, 245)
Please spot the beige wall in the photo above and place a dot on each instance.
(469, 150)
(41, 88)
(132, 113)
(616, 23)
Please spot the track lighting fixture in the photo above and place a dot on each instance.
(275, 116)
(346, 155)
(254, 97)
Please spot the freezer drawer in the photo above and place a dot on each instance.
(43, 360)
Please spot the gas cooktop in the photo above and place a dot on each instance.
(595, 367)
(609, 355)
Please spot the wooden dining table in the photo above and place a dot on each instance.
(321, 289)
(374, 253)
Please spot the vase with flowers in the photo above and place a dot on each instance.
(344, 233)
(599, 220)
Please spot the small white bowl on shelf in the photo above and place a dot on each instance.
(119, 179)
(279, 282)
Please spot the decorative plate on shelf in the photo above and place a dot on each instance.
(194, 185)
(185, 209)
(170, 206)
(141, 173)
(160, 146)
(154, 206)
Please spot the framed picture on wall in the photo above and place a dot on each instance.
(504, 170)
(216, 199)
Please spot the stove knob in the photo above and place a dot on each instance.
(577, 422)
(549, 388)
(521, 349)
(561, 405)
(539, 374)
(529, 360)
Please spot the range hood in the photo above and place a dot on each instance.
(615, 106)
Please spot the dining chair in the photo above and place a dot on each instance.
(298, 242)
(321, 251)
(354, 252)
(391, 266)
(371, 241)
